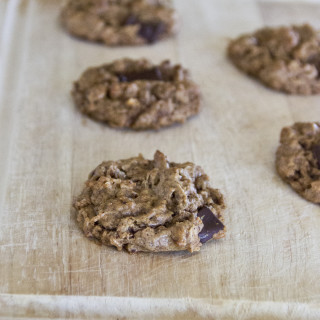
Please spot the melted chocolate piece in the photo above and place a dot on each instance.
(149, 74)
(151, 31)
(316, 153)
(211, 224)
(130, 19)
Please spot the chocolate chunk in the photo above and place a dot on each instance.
(149, 74)
(316, 153)
(151, 31)
(211, 224)
(148, 30)
(130, 19)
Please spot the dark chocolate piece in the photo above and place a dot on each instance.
(151, 31)
(130, 19)
(211, 224)
(149, 74)
(316, 153)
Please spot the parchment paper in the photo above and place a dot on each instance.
(267, 267)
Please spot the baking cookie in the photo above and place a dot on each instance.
(150, 205)
(286, 59)
(120, 22)
(137, 94)
(298, 159)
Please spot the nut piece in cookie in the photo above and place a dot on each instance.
(137, 94)
(120, 22)
(286, 58)
(298, 159)
(150, 205)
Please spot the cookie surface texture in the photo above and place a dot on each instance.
(137, 94)
(298, 159)
(150, 205)
(286, 58)
(120, 22)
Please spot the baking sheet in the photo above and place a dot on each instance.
(269, 263)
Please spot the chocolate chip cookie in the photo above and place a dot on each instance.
(298, 159)
(150, 205)
(120, 22)
(137, 94)
(286, 58)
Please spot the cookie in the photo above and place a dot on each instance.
(150, 205)
(120, 22)
(285, 59)
(298, 159)
(137, 94)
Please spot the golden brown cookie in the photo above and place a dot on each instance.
(120, 22)
(150, 205)
(285, 59)
(137, 94)
(298, 159)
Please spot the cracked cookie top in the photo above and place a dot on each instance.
(150, 205)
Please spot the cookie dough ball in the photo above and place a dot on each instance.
(285, 59)
(298, 159)
(120, 22)
(137, 94)
(150, 205)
